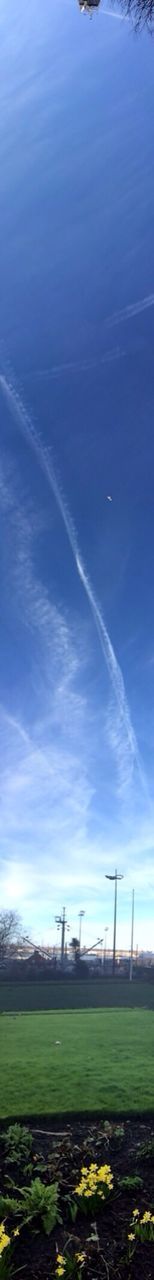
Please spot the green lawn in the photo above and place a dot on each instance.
(104, 1061)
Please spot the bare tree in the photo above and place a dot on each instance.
(75, 948)
(9, 932)
(141, 11)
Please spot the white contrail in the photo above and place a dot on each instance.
(43, 458)
(76, 366)
(109, 13)
(126, 737)
(127, 313)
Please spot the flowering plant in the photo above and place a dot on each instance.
(66, 1266)
(4, 1238)
(95, 1185)
(141, 1226)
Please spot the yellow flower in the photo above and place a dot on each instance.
(146, 1217)
(61, 1265)
(92, 1177)
(80, 1257)
(16, 1232)
(104, 1173)
(4, 1239)
(131, 1236)
(135, 1213)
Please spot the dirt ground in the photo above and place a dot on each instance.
(58, 1152)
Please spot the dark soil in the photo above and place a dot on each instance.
(61, 1150)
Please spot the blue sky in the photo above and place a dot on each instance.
(76, 347)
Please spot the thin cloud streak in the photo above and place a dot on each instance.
(134, 309)
(46, 791)
(109, 13)
(74, 366)
(128, 754)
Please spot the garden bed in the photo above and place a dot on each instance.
(95, 1228)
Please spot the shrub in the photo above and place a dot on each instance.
(8, 1205)
(146, 1150)
(18, 1144)
(37, 1200)
(70, 1267)
(41, 1201)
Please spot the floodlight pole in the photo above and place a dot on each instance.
(81, 914)
(63, 936)
(115, 923)
(105, 931)
(116, 877)
(132, 940)
(61, 921)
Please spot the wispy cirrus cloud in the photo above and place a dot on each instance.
(122, 737)
(57, 775)
(75, 366)
(46, 789)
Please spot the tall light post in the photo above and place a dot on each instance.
(115, 878)
(63, 924)
(81, 914)
(132, 940)
(105, 931)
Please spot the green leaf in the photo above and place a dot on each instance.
(6, 1266)
(37, 1200)
(119, 1131)
(73, 1208)
(40, 1166)
(18, 1143)
(8, 1205)
(130, 1182)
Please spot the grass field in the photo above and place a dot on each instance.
(104, 1061)
(74, 994)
